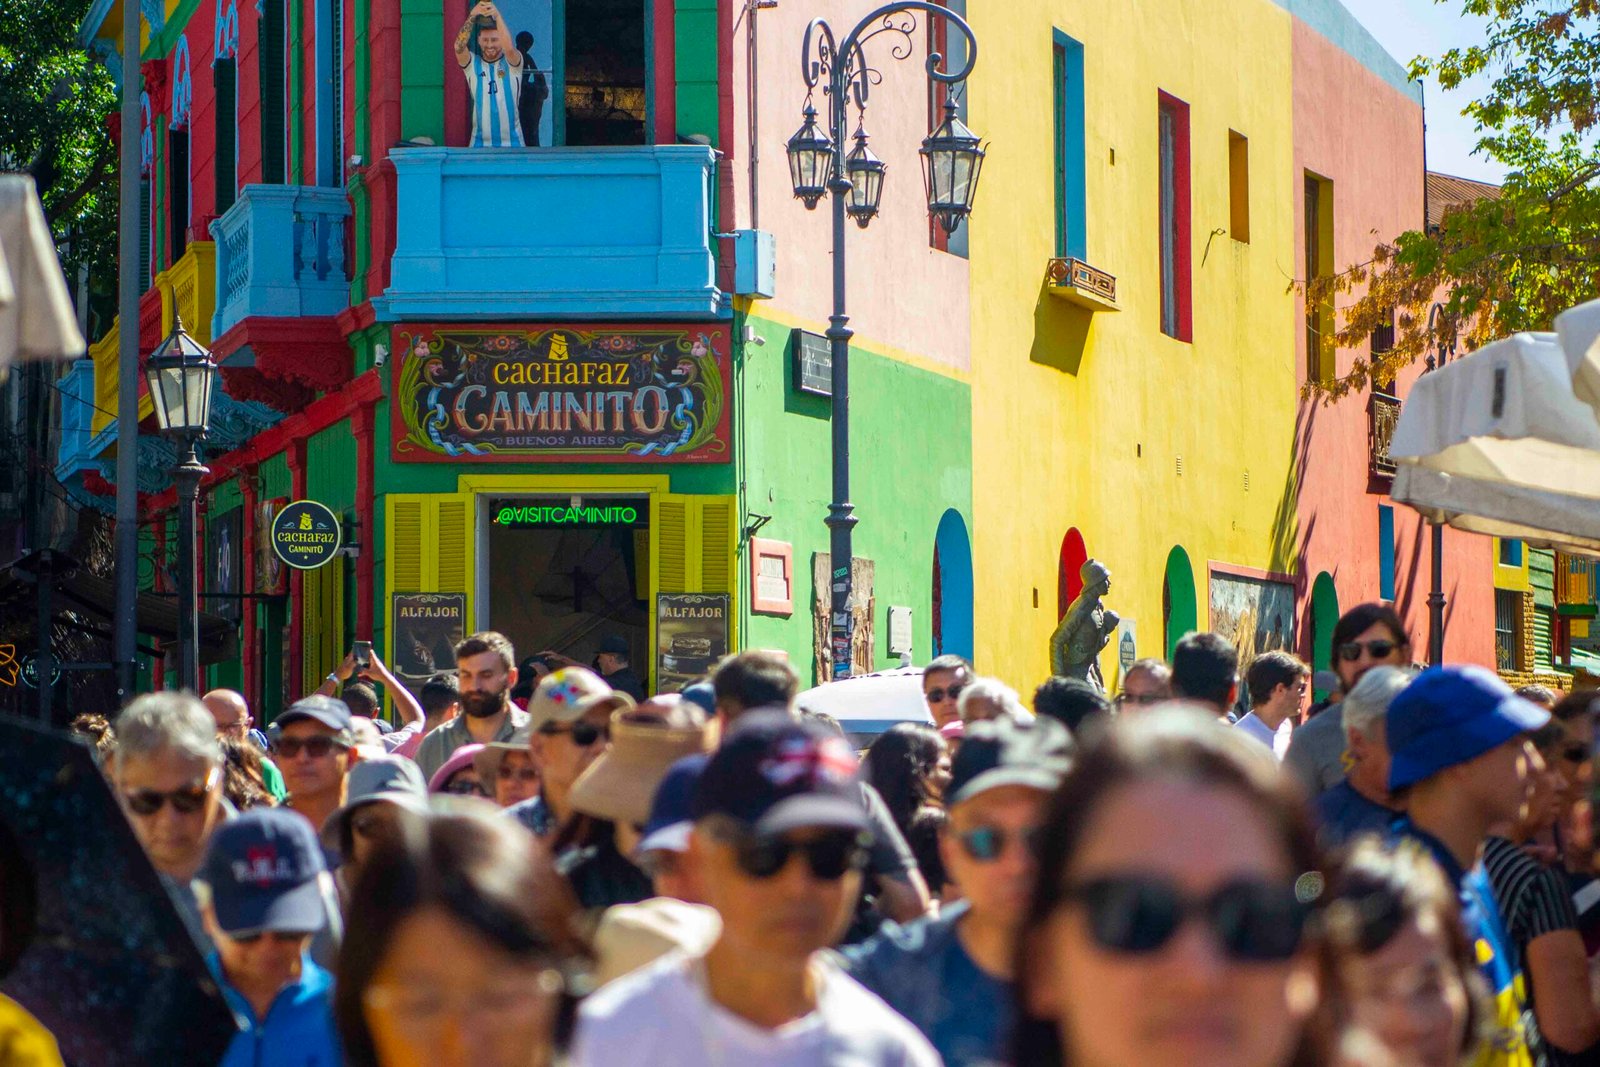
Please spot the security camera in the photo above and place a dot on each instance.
(354, 161)
(753, 338)
(380, 355)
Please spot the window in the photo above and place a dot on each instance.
(1070, 166)
(330, 92)
(1239, 187)
(953, 46)
(1510, 552)
(1319, 264)
(604, 73)
(1385, 552)
(273, 80)
(178, 192)
(225, 76)
(1173, 143)
(1507, 629)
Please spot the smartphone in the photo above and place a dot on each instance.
(363, 654)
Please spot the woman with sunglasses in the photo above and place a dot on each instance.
(458, 775)
(460, 948)
(1394, 947)
(1167, 925)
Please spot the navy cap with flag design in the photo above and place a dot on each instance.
(264, 869)
(776, 773)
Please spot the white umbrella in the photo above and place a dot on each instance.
(1498, 442)
(867, 704)
(36, 316)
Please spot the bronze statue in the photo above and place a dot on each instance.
(1085, 629)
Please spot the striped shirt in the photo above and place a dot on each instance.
(1534, 900)
(495, 90)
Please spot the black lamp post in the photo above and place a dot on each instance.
(180, 374)
(1444, 348)
(818, 164)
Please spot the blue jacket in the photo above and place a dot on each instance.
(298, 1030)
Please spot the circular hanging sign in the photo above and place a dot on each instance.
(305, 535)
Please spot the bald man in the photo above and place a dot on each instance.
(233, 719)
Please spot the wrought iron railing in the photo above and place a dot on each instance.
(1383, 415)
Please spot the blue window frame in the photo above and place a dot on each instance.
(1510, 552)
(1385, 552)
(1071, 201)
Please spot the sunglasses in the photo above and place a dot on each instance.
(315, 747)
(987, 843)
(1141, 699)
(939, 696)
(829, 857)
(1350, 651)
(583, 734)
(1254, 921)
(464, 788)
(1575, 753)
(520, 774)
(279, 936)
(185, 801)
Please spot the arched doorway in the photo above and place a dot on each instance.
(1324, 617)
(1069, 582)
(952, 587)
(1180, 612)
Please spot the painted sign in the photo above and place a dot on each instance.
(652, 393)
(691, 635)
(425, 629)
(306, 535)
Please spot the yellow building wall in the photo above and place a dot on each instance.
(1080, 419)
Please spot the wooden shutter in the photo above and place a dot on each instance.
(431, 545)
(225, 77)
(322, 624)
(270, 54)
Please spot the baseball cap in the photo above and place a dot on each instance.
(614, 644)
(329, 711)
(391, 779)
(776, 773)
(570, 693)
(621, 781)
(1449, 715)
(672, 808)
(996, 752)
(703, 694)
(264, 869)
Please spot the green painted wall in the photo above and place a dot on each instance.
(695, 60)
(912, 459)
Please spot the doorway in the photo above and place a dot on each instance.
(568, 572)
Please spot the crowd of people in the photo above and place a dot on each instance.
(1390, 867)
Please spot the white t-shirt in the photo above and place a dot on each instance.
(662, 1017)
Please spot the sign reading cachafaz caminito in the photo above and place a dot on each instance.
(306, 534)
(548, 513)
(610, 393)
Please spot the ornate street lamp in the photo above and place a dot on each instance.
(180, 373)
(810, 160)
(952, 156)
(818, 165)
(865, 171)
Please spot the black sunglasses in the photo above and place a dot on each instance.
(315, 747)
(1350, 651)
(938, 696)
(987, 843)
(1254, 921)
(1575, 753)
(829, 856)
(583, 734)
(185, 801)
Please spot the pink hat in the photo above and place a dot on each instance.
(953, 731)
(459, 759)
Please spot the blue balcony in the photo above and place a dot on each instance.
(573, 232)
(281, 254)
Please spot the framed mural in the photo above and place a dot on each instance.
(590, 392)
(1255, 612)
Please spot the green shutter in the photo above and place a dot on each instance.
(1543, 638)
(273, 105)
(225, 75)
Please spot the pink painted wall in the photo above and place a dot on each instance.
(1358, 131)
(901, 292)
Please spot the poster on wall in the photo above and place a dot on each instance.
(424, 631)
(224, 564)
(1255, 615)
(606, 393)
(691, 635)
(505, 50)
(272, 577)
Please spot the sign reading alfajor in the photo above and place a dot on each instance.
(306, 534)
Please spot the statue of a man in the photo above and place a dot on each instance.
(1085, 629)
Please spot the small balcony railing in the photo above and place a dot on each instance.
(281, 253)
(1082, 283)
(1383, 415)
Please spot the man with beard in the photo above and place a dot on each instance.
(486, 671)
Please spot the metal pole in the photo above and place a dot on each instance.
(188, 477)
(1436, 601)
(841, 518)
(125, 626)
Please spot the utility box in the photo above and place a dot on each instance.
(755, 263)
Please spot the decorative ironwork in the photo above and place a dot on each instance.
(1067, 272)
(1383, 415)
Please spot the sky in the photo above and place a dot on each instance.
(1407, 28)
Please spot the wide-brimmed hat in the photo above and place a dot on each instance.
(569, 694)
(620, 784)
(486, 761)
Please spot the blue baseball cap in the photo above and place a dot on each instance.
(775, 773)
(264, 869)
(671, 809)
(1449, 715)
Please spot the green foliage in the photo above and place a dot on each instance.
(1507, 263)
(55, 96)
